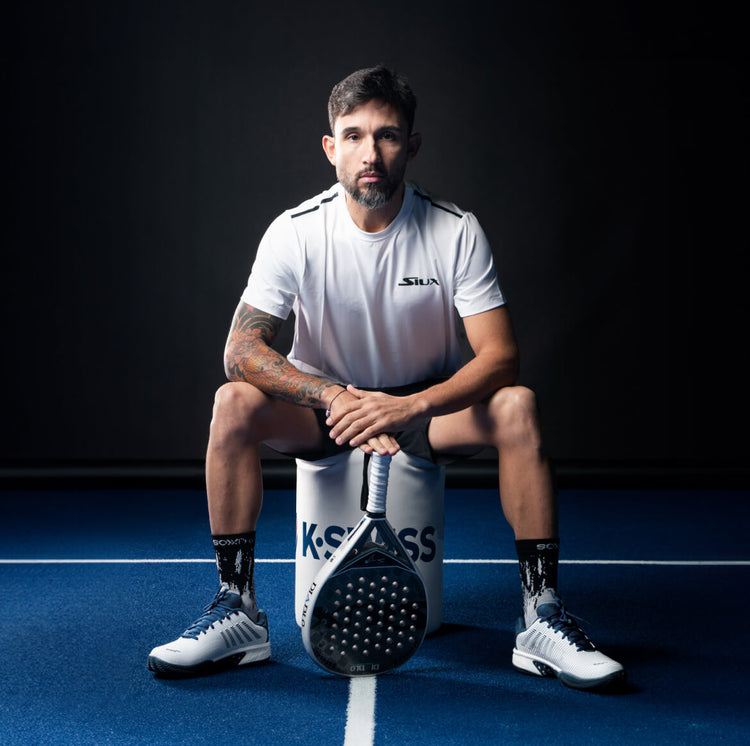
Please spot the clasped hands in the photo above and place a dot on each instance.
(366, 419)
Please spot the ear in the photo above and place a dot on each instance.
(329, 146)
(415, 142)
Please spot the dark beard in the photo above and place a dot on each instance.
(372, 196)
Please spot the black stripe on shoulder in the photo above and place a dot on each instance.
(313, 209)
(435, 204)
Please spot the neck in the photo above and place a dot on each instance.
(377, 219)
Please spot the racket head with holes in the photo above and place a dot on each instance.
(366, 611)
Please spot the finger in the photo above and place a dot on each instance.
(383, 444)
(353, 425)
(344, 405)
(345, 431)
(356, 433)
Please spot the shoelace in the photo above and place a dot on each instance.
(214, 612)
(567, 626)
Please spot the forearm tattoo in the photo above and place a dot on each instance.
(249, 357)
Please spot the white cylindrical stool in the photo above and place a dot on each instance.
(328, 507)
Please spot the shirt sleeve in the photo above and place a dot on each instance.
(477, 288)
(273, 284)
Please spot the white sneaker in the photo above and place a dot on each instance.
(223, 637)
(554, 645)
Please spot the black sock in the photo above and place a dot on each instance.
(235, 560)
(537, 562)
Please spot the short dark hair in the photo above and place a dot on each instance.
(379, 83)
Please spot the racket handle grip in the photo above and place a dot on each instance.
(378, 483)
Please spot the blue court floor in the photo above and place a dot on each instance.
(91, 580)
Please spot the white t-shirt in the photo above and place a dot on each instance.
(374, 309)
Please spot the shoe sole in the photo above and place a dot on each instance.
(163, 669)
(534, 666)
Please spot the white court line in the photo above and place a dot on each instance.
(678, 563)
(143, 561)
(360, 712)
(126, 561)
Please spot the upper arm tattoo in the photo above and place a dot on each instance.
(250, 324)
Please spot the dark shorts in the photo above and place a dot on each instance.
(413, 440)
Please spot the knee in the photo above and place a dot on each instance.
(235, 413)
(514, 413)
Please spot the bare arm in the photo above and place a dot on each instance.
(249, 357)
(495, 365)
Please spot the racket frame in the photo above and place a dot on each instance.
(390, 613)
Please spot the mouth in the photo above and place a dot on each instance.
(370, 177)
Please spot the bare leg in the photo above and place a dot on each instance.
(233, 631)
(243, 418)
(508, 422)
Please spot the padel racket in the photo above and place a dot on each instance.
(366, 610)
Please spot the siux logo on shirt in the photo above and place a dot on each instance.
(406, 281)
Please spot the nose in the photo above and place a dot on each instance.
(371, 153)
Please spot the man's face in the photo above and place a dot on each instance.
(370, 149)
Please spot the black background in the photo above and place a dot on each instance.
(603, 148)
